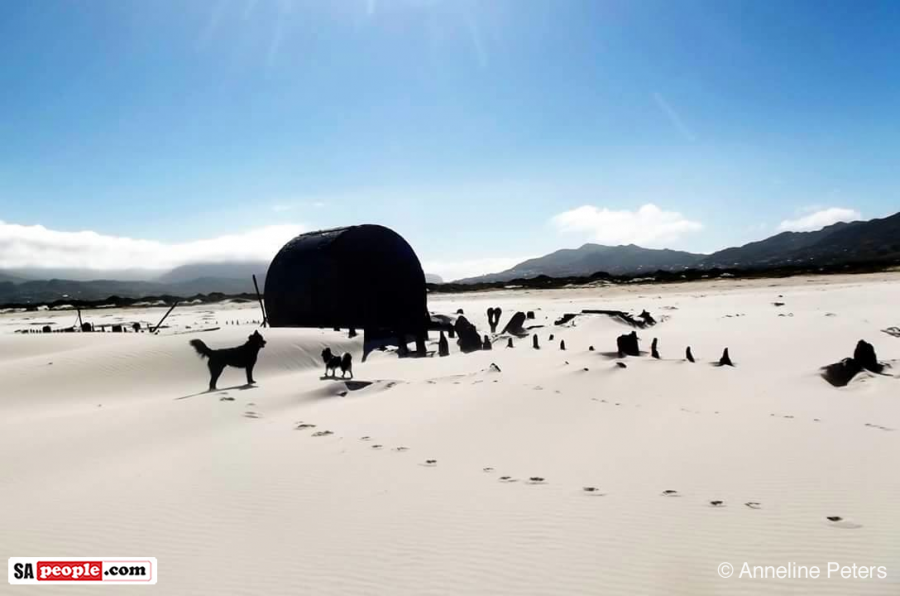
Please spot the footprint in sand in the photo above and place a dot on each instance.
(377, 446)
(304, 426)
(753, 505)
(365, 438)
(717, 504)
(840, 522)
(250, 404)
(322, 433)
(670, 493)
(537, 480)
(251, 414)
(487, 470)
(401, 449)
(592, 491)
(430, 463)
(226, 398)
(507, 479)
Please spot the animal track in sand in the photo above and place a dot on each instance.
(537, 480)
(250, 414)
(322, 433)
(487, 470)
(430, 463)
(592, 491)
(753, 505)
(401, 449)
(870, 425)
(366, 438)
(507, 479)
(303, 426)
(377, 446)
(717, 503)
(670, 493)
(226, 398)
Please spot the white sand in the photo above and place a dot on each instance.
(108, 448)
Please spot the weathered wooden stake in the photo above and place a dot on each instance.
(262, 306)
(158, 325)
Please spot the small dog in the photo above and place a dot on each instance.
(240, 357)
(332, 363)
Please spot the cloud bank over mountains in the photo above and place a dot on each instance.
(39, 247)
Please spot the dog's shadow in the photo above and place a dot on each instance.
(244, 387)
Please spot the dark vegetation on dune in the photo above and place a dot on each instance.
(548, 283)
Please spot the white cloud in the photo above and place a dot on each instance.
(819, 219)
(648, 226)
(37, 246)
(452, 270)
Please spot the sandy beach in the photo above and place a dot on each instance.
(552, 472)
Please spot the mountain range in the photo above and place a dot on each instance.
(876, 240)
(873, 241)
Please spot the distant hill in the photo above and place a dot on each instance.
(188, 280)
(432, 278)
(591, 258)
(854, 242)
(229, 270)
(876, 240)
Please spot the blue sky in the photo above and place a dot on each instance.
(137, 133)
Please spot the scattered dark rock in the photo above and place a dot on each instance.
(864, 354)
(653, 351)
(841, 373)
(641, 321)
(443, 346)
(565, 319)
(469, 339)
(627, 345)
(688, 354)
(647, 318)
(515, 325)
(725, 360)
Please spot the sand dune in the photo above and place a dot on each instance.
(417, 478)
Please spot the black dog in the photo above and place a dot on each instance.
(241, 357)
(332, 363)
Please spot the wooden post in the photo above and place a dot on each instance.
(156, 329)
(262, 306)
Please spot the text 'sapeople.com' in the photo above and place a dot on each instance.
(83, 570)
